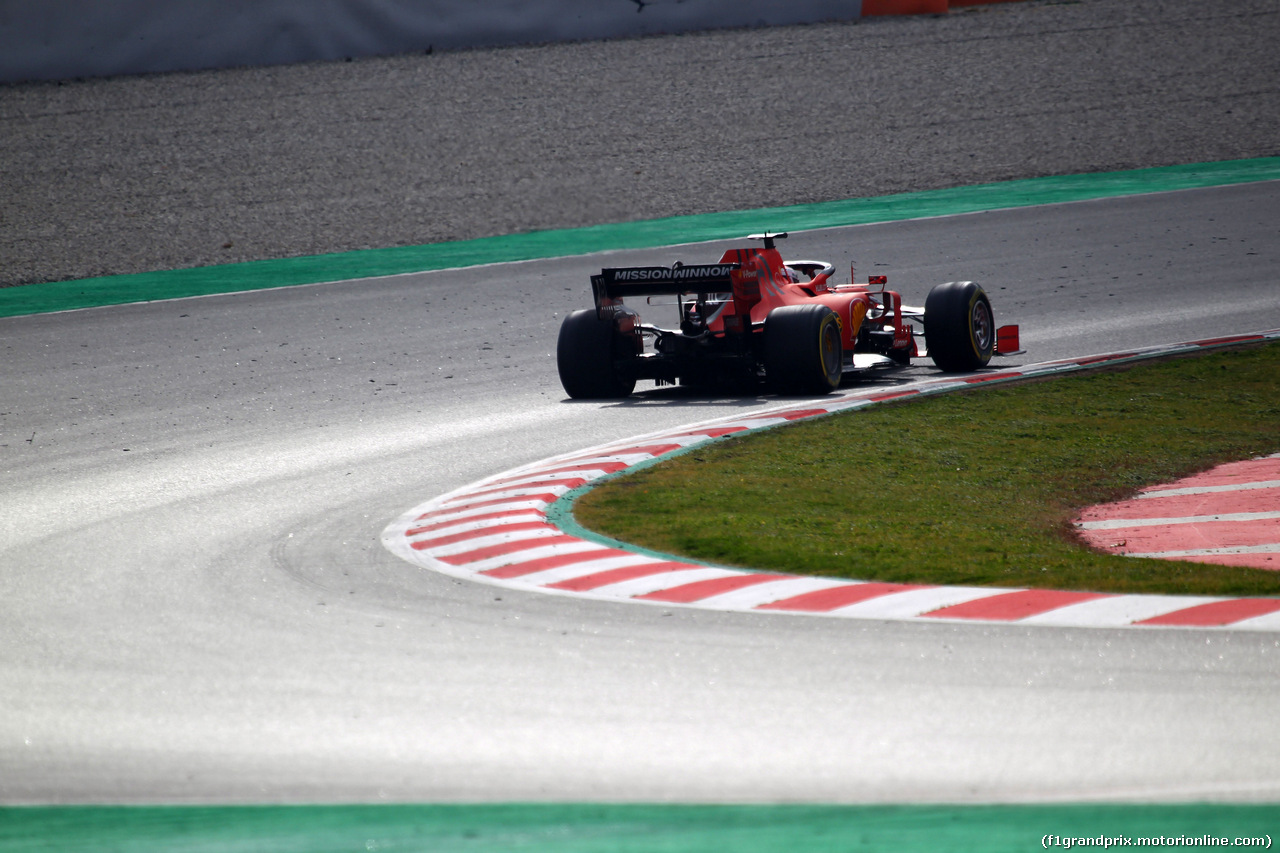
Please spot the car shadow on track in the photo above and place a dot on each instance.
(750, 397)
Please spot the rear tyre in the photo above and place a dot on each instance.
(959, 328)
(586, 355)
(802, 349)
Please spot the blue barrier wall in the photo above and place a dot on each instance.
(57, 39)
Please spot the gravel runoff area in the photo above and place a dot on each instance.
(132, 174)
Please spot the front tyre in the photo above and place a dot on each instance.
(959, 326)
(586, 356)
(802, 349)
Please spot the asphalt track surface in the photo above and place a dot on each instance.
(195, 604)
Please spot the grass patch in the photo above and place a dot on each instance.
(974, 488)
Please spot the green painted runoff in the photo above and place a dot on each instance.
(314, 269)
(620, 828)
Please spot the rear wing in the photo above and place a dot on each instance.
(617, 283)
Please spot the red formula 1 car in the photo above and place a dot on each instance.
(754, 318)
